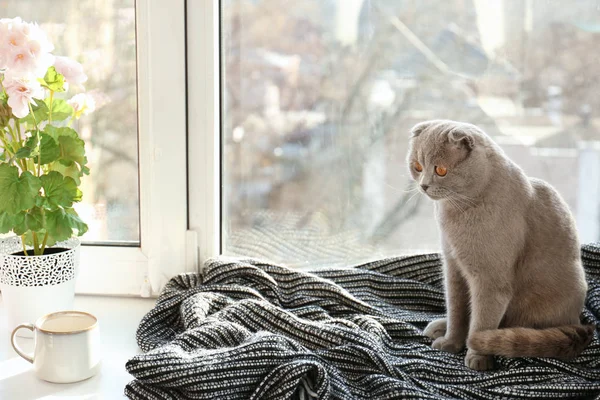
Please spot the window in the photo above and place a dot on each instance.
(135, 197)
(111, 202)
(318, 98)
(297, 116)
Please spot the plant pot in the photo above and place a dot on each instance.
(36, 285)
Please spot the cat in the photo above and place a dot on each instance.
(515, 285)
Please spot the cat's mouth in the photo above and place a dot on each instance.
(439, 194)
(434, 195)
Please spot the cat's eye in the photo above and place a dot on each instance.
(441, 171)
(418, 166)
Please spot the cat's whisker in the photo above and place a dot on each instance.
(463, 202)
(398, 190)
(462, 198)
(413, 196)
(470, 199)
(460, 207)
(462, 195)
(454, 203)
(466, 198)
(450, 201)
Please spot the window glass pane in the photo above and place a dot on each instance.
(319, 97)
(101, 36)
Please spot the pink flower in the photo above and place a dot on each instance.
(20, 59)
(39, 47)
(17, 32)
(24, 48)
(21, 92)
(36, 34)
(70, 69)
(83, 104)
(43, 59)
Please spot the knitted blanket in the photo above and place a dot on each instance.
(247, 329)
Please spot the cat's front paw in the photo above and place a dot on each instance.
(449, 345)
(479, 362)
(436, 329)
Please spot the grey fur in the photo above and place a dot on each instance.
(510, 245)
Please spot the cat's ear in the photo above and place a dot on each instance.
(461, 139)
(419, 128)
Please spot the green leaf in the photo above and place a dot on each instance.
(30, 221)
(59, 191)
(61, 224)
(72, 161)
(34, 219)
(49, 149)
(3, 156)
(19, 224)
(40, 111)
(57, 132)
(7, 221)
(58, 225)
(50, 241)
(71, 171)
(53, 80)
(61, 110)
(72, 149)
(40, 201)
(24, 152)
(29, 148)
(76, 222)
(17, 193)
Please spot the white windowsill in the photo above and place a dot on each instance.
(118, 318)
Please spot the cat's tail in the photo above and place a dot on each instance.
(564, 342)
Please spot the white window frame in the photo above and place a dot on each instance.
(112, 270)
(204, 129)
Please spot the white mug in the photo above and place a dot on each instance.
(67, 346)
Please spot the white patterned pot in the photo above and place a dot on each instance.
(34, 286)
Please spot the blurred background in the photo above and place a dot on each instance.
(319, 97)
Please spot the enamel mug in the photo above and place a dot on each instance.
(66, 346)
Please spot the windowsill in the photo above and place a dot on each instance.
(118, 318)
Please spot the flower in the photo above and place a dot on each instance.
(17, 32)
(83, 104)
(21, 92)
(37, 35)
(24, 48)
(70, 69)
(40, 47)
(21, 60)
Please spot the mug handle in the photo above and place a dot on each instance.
(14, 342)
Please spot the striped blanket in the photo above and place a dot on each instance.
(246, 329)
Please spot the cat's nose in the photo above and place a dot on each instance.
(424, 187)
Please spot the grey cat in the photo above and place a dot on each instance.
(514, 281)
